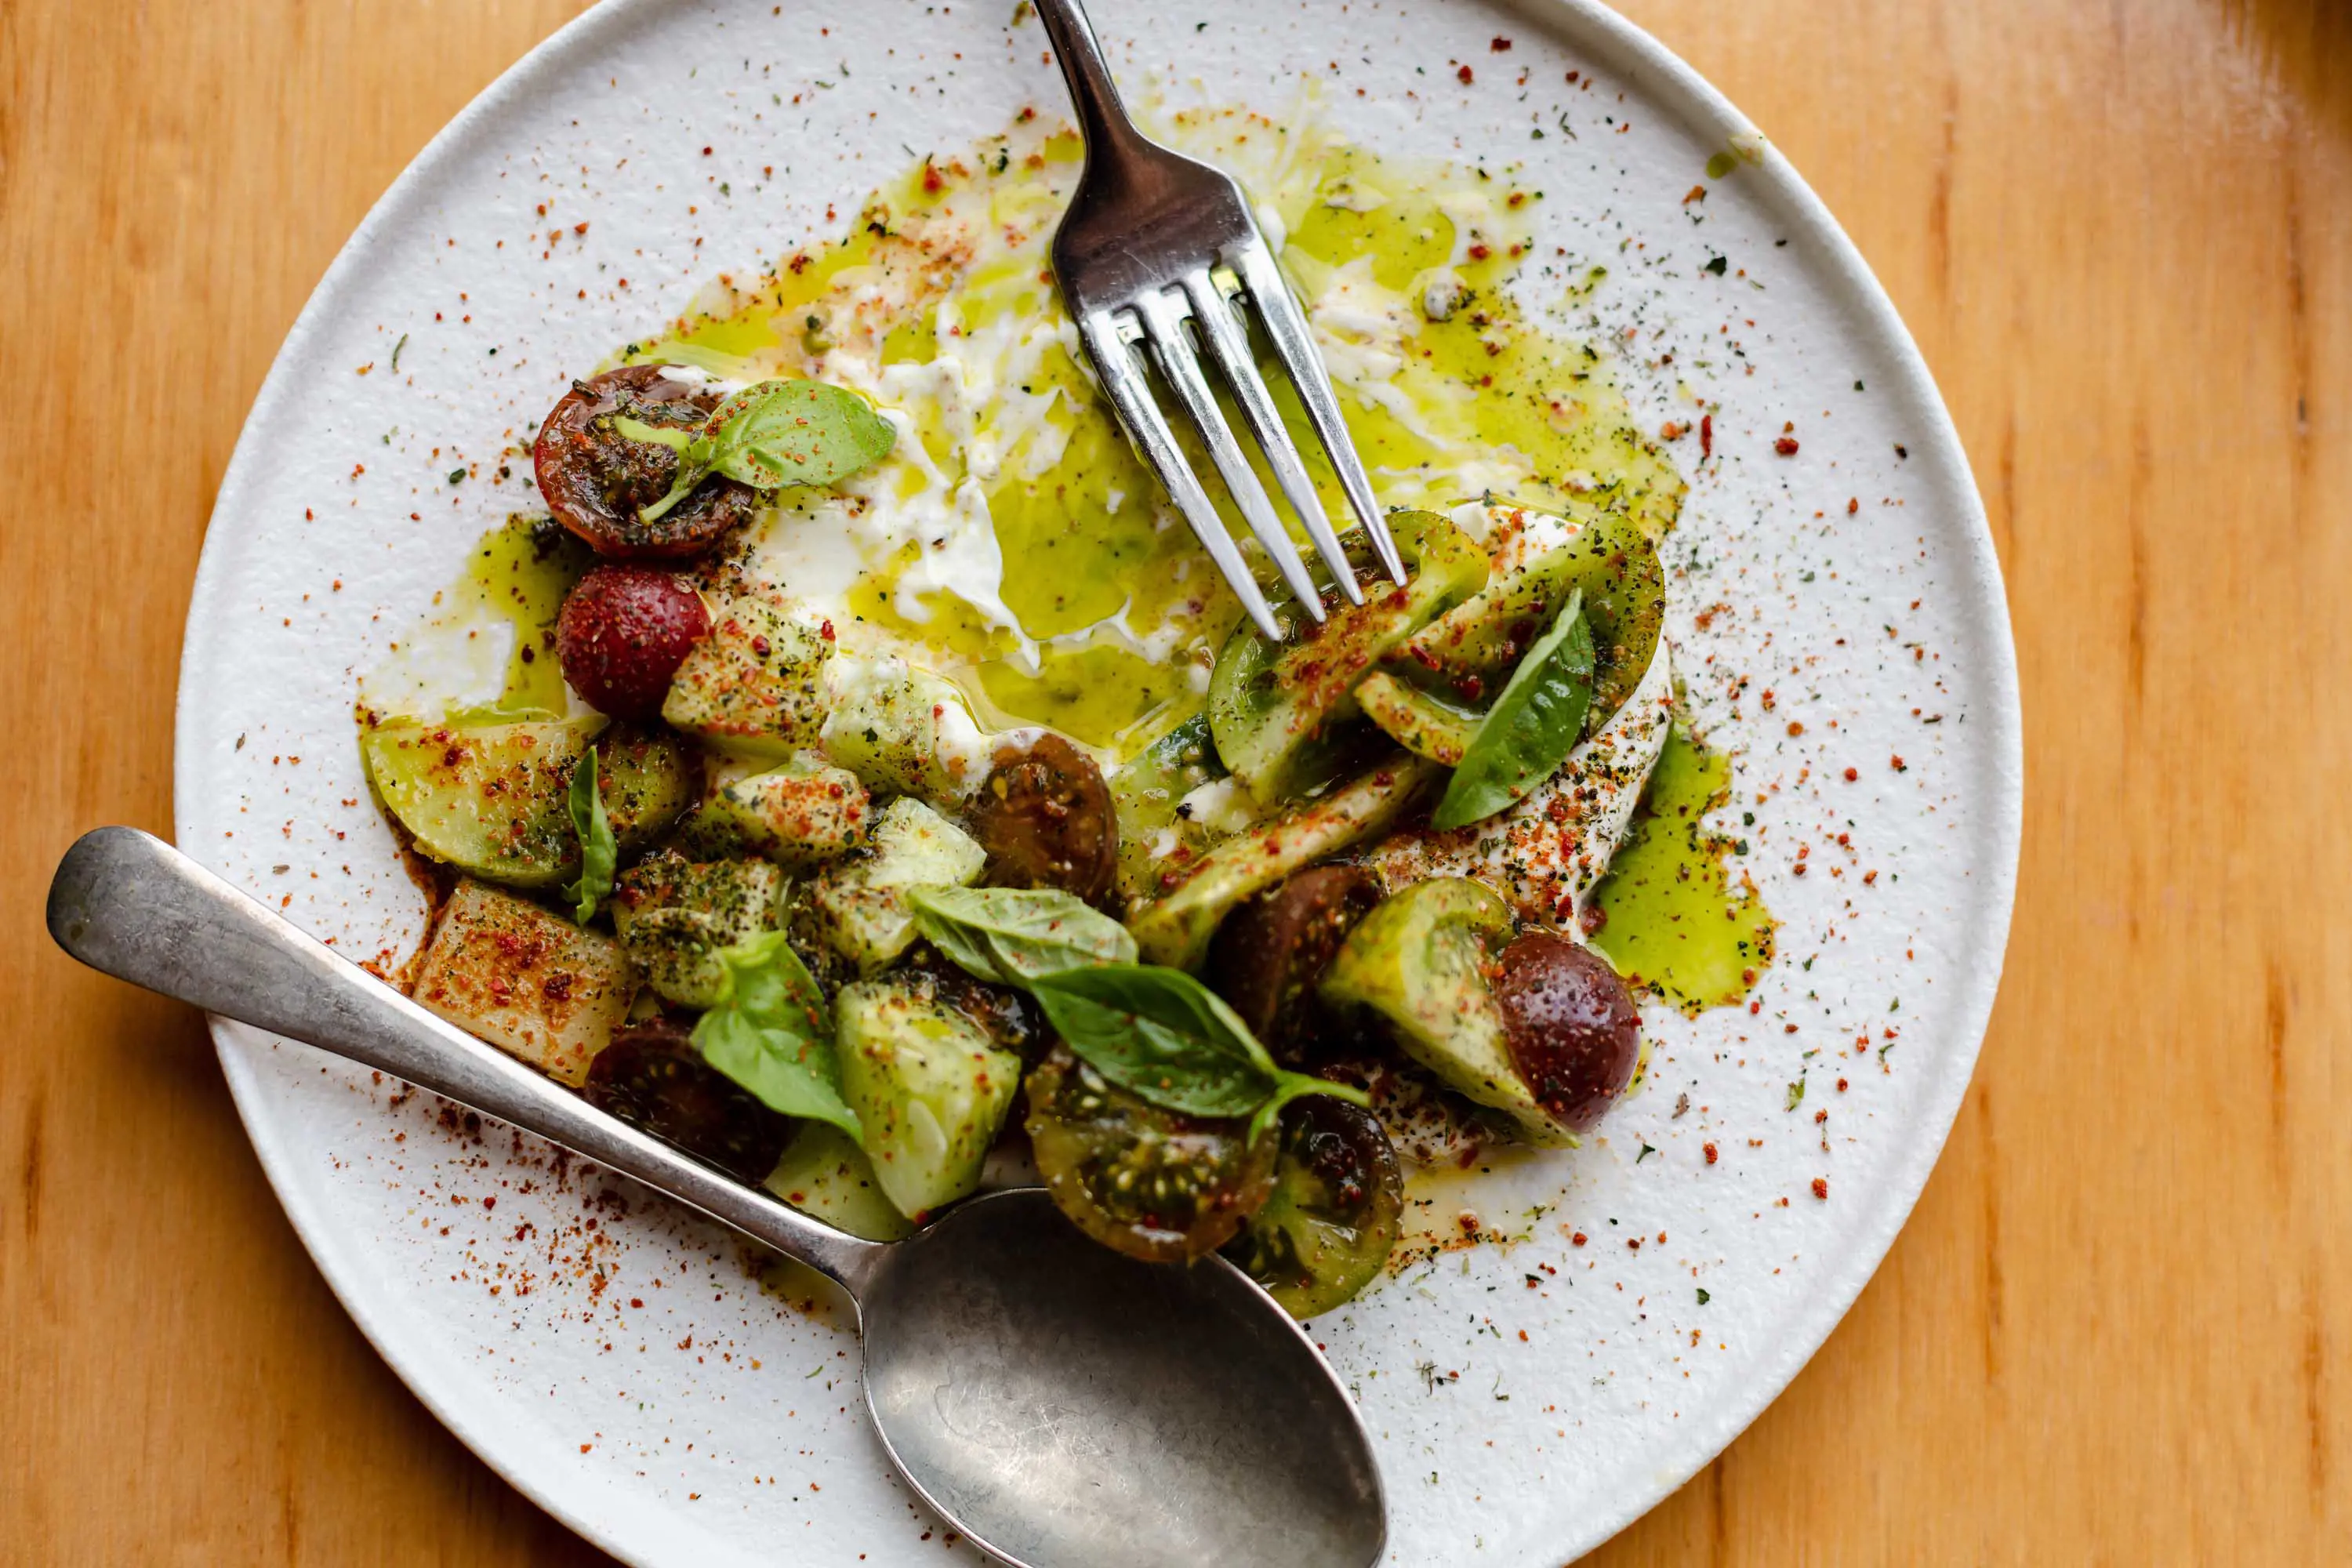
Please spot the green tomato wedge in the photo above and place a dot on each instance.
(1424, 725)
(1416, 962)
(495, 798)
(1545, 557)
(1174, 929)
(1272, 705)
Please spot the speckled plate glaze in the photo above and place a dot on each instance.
(1839, 617)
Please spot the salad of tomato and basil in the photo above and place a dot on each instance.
(790, 904)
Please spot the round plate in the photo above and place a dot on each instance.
(1839, 620)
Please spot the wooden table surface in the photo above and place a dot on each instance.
(2119, 1326)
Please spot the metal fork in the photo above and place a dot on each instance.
(1149, 243)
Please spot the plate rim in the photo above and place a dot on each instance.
(1622, 46)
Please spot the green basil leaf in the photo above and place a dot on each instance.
(599, 853)
(1014, 935)
(1531, 728)
(1160, 1033)
(773, 1034)
(784, 433)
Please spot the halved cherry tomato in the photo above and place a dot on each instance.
(652, 1078)
(1268, 953)
(1045, 816)
(596, 480)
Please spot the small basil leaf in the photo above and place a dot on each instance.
(784, 433)
(1014, 935)
(1161, 1035)
(1532, 727)
(599, 853)
(771, 1033)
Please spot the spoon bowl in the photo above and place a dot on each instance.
(1061, 1404)
(1065, 1404)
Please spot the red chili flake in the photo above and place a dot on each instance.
(1711, 1153)
(1705, 435)
(1478, 252)
(1501, 46)
(826, 631)
(1795, 728)
(1576, 1240)
(1852, 775)
(1842, 1086)
(706, 151)
(1786, 446)
(1633, 1243)
(1466, 75)
(1821, 1188)
(1697, 194)
(1868, 878)
(1852, 505)
(1897, 763)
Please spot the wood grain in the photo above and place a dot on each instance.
(2119, 1327)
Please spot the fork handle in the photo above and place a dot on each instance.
(1102, 117)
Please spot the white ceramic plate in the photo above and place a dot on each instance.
(624, 1365)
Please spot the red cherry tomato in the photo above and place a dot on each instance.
(622, 634)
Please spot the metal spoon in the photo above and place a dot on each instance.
(1062, 1405)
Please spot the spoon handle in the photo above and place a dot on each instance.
(128, 904)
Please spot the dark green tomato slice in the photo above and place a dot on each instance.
(1338, 1194)
(1148, 1183)
(652, 1078)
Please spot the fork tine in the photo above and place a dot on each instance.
(1131, 394)
(1229, 345)
(1163, 325)
(1286, 327)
